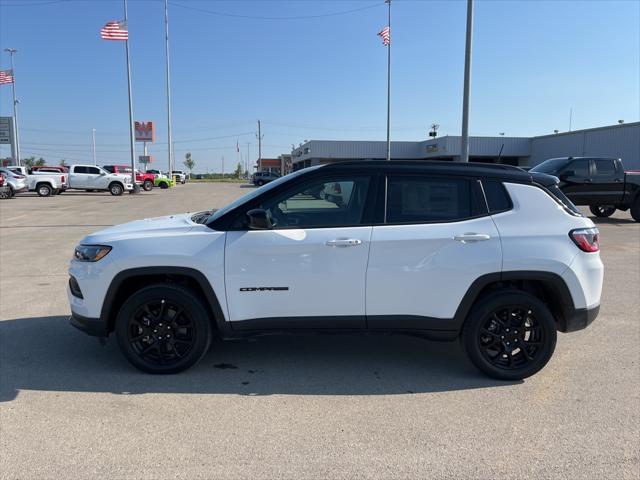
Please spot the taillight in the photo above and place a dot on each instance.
(587, 239)
(61, 178)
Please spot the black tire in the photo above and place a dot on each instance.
(164, 185)
(12, 192)
(156, 341)
(116, 189)
(602, 211)
(497, 328)
(147, 186)
(635, 210)
(260, 183)
(44, 190)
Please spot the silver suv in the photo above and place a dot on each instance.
(260, 178)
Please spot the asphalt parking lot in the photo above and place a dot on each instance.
(297, 407)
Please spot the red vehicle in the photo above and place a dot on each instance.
(4, 190)
(49, 168)
(144, 179)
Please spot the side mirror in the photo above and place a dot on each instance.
(259, 220)
(567, 174)
(102, 173)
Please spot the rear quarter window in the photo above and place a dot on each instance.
(498, 199)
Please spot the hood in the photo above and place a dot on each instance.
(149, 227)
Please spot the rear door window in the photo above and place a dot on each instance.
(604, 167)
(427, 199)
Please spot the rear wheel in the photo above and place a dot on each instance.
(116, 189)
(260, 183)
(147, 186)
(602, 211)
(163, 329)
(510, 335)
(635, 210)
(43, 190)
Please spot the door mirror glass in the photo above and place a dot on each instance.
(258, 219)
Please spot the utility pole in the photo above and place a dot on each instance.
(93, 137)
(570, 117)
(260, 137)
(170, 149)
(464, 143)
(16, 136)
(248, 159)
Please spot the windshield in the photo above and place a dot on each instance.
(258, 191)
(550, 166)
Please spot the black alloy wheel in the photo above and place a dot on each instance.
(163, 329)
(603, 211)
(510, 335)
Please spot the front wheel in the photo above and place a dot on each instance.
(116, 189)
(164, 185)
(602, 211)
(635, 210)
(147, 186)
(163, 328)
(510, 335)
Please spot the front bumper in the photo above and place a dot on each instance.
(91, 326)
(128, 186)
(578, 319)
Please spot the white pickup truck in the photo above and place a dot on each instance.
(44, 183)
(92, 178)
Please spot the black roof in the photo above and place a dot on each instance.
(493, 170)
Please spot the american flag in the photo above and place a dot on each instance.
(115, 31)
(6, 76)
(385, 33)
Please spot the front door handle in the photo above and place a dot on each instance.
(471, 237)
(343, 242)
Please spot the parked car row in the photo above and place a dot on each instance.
(599, 183)
(54, 180)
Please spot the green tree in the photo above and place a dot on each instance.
(40, 162)
(29, 162)
(189, 163)
(238, 172)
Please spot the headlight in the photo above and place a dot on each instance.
(90, 253)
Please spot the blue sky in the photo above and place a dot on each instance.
(322, 77)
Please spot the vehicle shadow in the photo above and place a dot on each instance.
(613, 221)
(47, 354)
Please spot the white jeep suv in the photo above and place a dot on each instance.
(490, 254)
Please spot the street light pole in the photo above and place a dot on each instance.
(169, 135)
(16, 136)
(464, 143)
(93, 137)
(389, 86)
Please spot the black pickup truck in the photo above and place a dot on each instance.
(600, 183)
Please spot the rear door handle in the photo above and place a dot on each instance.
(343, 242)
(471, 237)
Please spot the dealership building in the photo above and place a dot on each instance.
(621, 141)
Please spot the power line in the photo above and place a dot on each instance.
(255, 17)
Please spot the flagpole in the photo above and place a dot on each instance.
(169, 133)
(136, 189)
(16, 136)
(389, 86)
